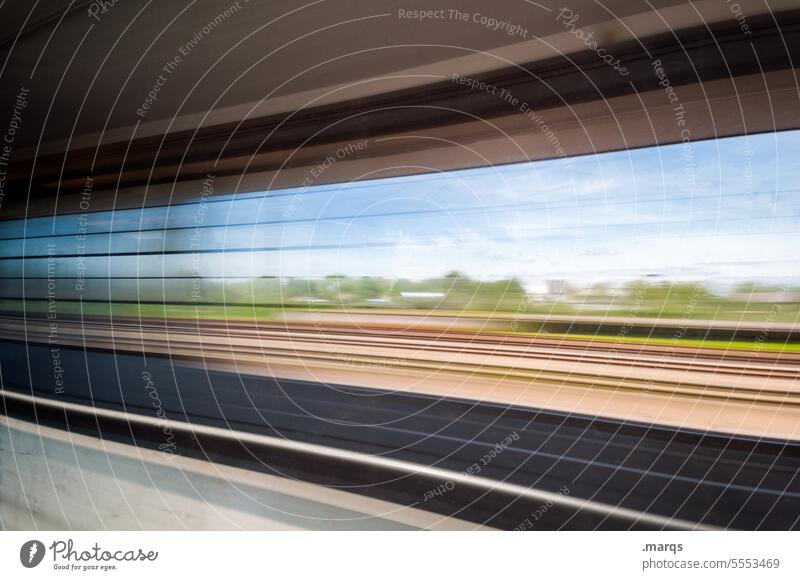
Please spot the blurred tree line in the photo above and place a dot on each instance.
(452, 291)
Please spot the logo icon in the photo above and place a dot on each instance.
(31, 553)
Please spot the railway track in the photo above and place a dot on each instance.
(758, 377)
(453, 335)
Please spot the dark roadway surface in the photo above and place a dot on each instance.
(711, 478)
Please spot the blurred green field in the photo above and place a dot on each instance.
(454, 293)
(490, 305)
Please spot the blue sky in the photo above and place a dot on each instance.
(721, 211)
